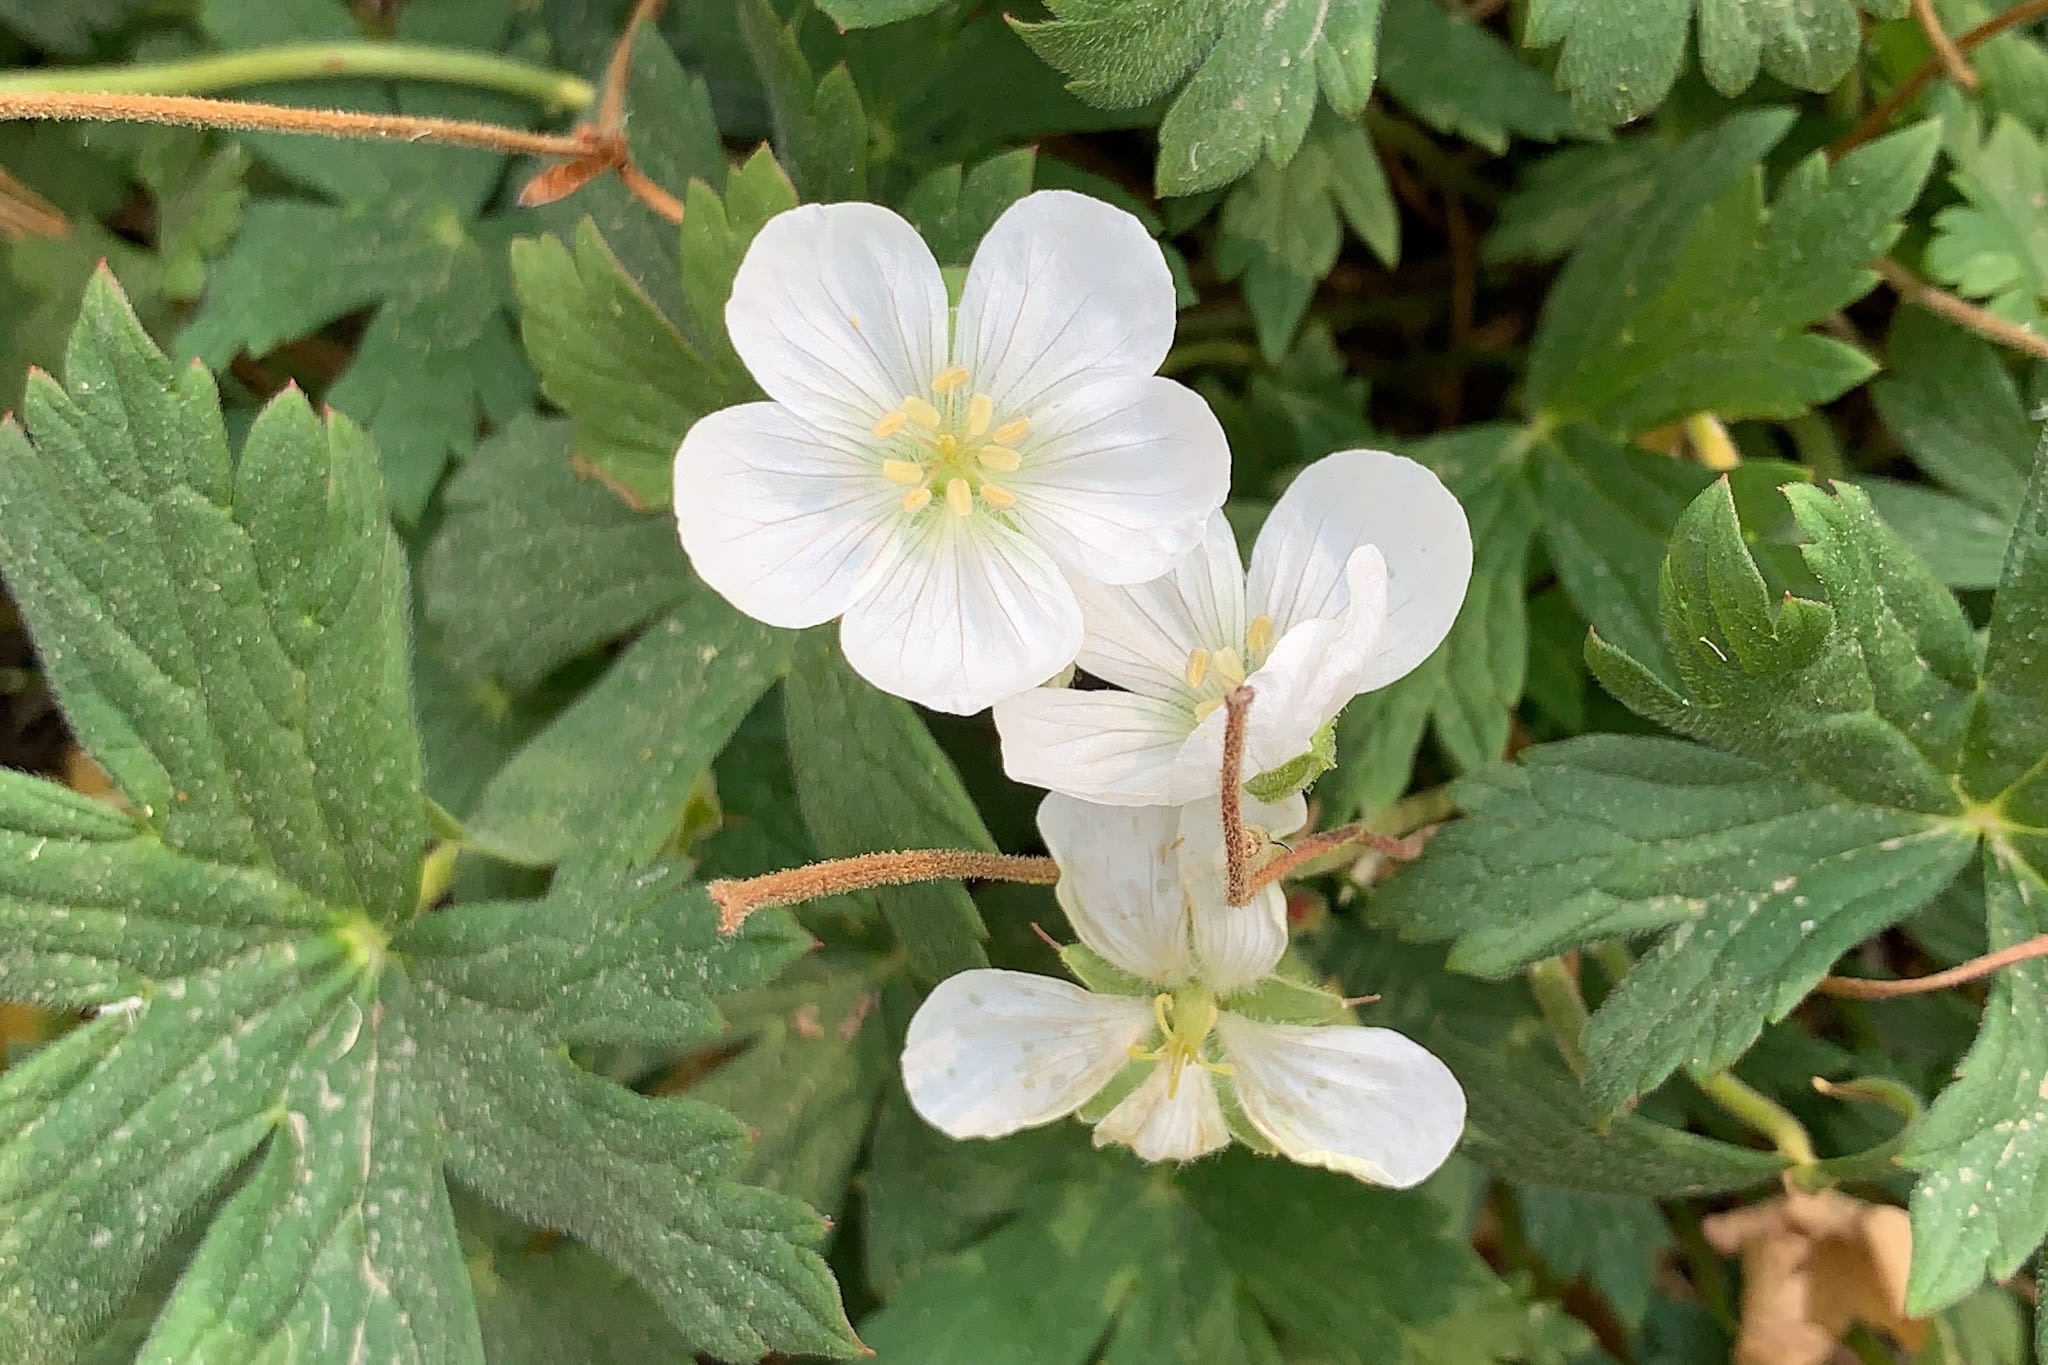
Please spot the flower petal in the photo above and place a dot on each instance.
(1141, 637)
(1158, 1127)
(1367, 497)
(1062, 288)
(1365, 1101)
(1120, 883)
(839, 311)
(1120, 477)
(1317, 667)
(990, 1052)
(1114, 748)
(962, 613)
(1237, 945)
(785, 526)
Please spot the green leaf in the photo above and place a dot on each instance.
(1281, 228)
(1563, 196)
(821, 131)
(1994, 246)
(1611, 1241)
(532, 565)
(1979, 1209)
(1621, 56)
(541, 1301)
(1948, 397)
(871, 13)
(614, 770)
(608, 357)
(953, 212)
(396, 230)
(273, 1059)
(869, 778)
(1962, 543)
(1255, 71)
(1460, 79)
(1700, 298)
(69, 28)
(2005, 763)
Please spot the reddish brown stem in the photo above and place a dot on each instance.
(192, 111)
(1945, 50)
(738, 899)
(611, 109)
(1913, 289)
(1316, 846)
(1879, 118)
(1236, 857)
(1860, 988)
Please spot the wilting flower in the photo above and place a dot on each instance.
(1185, 1036)
(1356, 577)
(945, 484)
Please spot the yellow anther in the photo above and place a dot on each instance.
(1228, 666)
(981, 410)
(922, 413)
(1011, 432)
(959, 497)
(1258, 638)
(1002, 459)
(949, 379)
(1198, 667)
(1207, 709)
(891, 424)
(917, 499)
(903, 471)
(998, 497)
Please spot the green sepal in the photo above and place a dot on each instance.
(1102, 976)
(1276, 784)
(1119, 1088)
(1284, 1000)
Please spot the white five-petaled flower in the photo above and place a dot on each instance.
(944, 484)
(1185, 1061)
(1356, 578)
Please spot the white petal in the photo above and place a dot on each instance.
(1115, 748)
(962, 613)
(1063, 288)
(1120, 477)
(1367, 497)
(839, 311)
(1317, 667)
(1141, 637)
(1237, 945)
(1365, 1101)
(990, 1052)
(1159, 1128)
(786, 526)
(1120, 883)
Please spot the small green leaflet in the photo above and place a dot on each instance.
(1256, 69)
(1701, 297)
(821, 130)
(1994, 247)
(227, 636)
(1459, 78)
(1621, 56)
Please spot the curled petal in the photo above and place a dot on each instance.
(962, 613)
(1120, 477)
(1364, 1101)
(1237, 945)
(1112, 748)
(990, 1052)
(1063, 289)
(1317, 667)
(1143, 636)
(839, 311)
(1366, 497)
(786, 526)
(1120, 883)
(1162, 1127)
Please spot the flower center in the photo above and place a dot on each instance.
(947, 445)
(1185, 1021)
(1213, 674)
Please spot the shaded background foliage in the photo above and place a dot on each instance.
(1417, 223)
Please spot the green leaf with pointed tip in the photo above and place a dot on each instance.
(1948, 397)
(1701, 297)
(267, 1055)
(614, 770)
(1620, 57)
(1994, 246)
(821, 130)
(533, 564)
(2005, 763)
(1459, 78)
(1252, 72)
(869, 778)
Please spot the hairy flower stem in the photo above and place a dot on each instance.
(738, 899)
(192, 111)
(1399, 832)
(1762, 1115)
(1945, 50)
(1860, 988)
(303, 61)
(1236, 857)
(1913, 289)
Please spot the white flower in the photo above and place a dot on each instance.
(1193, 1054)
(1356, 578)
(945, 488)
